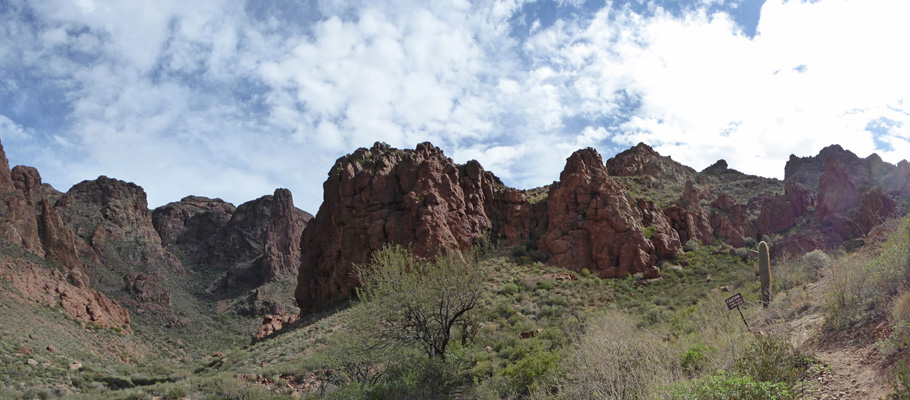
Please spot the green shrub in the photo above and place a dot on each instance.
(771, 359)
(751, 243)
(175, 393)
(694, 360)
(900, 383)
(691, 246)
(723, 386)
(509, 289)
(742, 252)
(524, 374)
(900, 311)
(546, 285)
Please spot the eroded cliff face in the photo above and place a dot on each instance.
(594, 224)
(418, 198)
(779, 213)
(422, 199)
(50, 287)
(30, 220)
(613, 218)
(17, 217)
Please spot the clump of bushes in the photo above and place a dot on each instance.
(723, 386)
(614, 359)
(771, 359)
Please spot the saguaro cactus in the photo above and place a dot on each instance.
(764, 272)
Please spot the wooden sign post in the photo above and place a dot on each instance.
(734, 302)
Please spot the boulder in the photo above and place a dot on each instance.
(274, 323)
(145, 288)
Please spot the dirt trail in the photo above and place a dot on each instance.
(853, 364)
(854, 373)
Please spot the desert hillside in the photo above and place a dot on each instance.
(422, 278)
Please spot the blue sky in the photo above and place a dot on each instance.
(232, 99)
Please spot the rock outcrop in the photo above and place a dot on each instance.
(112, 217)
(730, 221)
(779, 213)
(688, 218)
(191, 221)
(281, 249)
(642, 160)
(274, 323)
(419, 198)
(145, 288)
(17, 216)
(864, 173)
(593, 224)
(49, 286)
(837, 193)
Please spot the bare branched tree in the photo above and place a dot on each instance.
(425, 304)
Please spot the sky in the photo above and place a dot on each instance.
(233, 99)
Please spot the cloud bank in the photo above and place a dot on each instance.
(232, 100)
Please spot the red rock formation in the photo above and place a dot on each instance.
(60, 243)
(593, 224)
(730, 221)
(875, 208)
(49, 286)
(642, 160)
(281, 253)
(688, 218)
(192, 220)
(863, 172)
(145, 288)
(17, 217)
(665, 239)
(836, 192)
(274, 323)
(801, 243)
(109, 209)
(113, 229)
(419, 198)
(241, 240)
(779, 213)
(518, 220)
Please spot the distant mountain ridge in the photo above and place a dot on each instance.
(109, 260)
(177, 266)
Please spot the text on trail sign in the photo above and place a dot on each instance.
(734, 301)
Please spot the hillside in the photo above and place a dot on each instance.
(121, 301)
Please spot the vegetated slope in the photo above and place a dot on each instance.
(101, 279)
(188, 271)
(550, 332)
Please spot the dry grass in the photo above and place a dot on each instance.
(616, 360)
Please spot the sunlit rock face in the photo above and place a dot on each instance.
(594, 224)
(418, 198)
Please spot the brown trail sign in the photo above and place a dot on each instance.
(734, 302)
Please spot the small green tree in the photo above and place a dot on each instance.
(425, 304)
